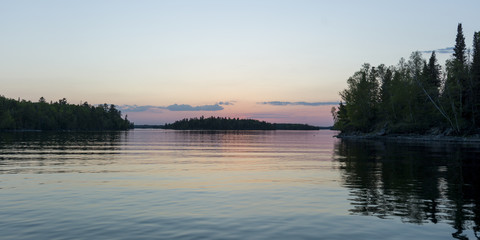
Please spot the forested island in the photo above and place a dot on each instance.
(219, 123)
(416, 96)
(59, 115)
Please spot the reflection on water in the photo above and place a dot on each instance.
(163, 184)
(166, 184)
(418, 182)
(44, 152)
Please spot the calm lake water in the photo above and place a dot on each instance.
(161, 184)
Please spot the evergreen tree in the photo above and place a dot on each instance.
(460, 75)
(341, 121)
(476, 54)
(475, 77)
(388, 90)
(432, 74)
(429, 84)
(413, 97)
(456, 92)
(460, 47)
(21, 115)
(217, 123)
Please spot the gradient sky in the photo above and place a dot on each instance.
(159, 61)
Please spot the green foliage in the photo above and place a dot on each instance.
(340, 118)
(26, 115)
(475, 78)
(218, 123)
(362, 97)
(7, 121)
(413, 96)
(432, 76)
(460, 47)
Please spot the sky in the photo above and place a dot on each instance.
(161, 61)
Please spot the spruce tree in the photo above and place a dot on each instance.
(476, 53)
(458, 90)
(460, 47)
(430, 84)
(475, 76)
(434, 72)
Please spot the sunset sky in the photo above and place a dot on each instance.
(160, 61)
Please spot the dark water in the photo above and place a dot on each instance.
(156, 184)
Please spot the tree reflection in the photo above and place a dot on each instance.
(420, 182)
(55, 152)
(60, 139)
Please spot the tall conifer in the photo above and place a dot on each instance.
(432, 72)
(457, 85)
(475, 76)
(460, 47)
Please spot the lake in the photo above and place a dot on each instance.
(166, 184)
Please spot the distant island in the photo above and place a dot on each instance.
(415, 97)
(21, 115)
(219, 123)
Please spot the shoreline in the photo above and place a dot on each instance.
(411, 137)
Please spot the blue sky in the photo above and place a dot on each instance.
(197, 54)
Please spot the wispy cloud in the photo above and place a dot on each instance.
(447, 50)
(174, 107)
(226, 103)
(136, 108)
(186, 107)
(279, 103)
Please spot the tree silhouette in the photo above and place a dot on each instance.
(413, 97)
(26, 115)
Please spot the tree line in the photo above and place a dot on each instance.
(59, 115)
(219, 123)
(416, 95)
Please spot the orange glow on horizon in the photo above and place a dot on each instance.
(313, 115)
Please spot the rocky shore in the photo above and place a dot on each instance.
(411, 137)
